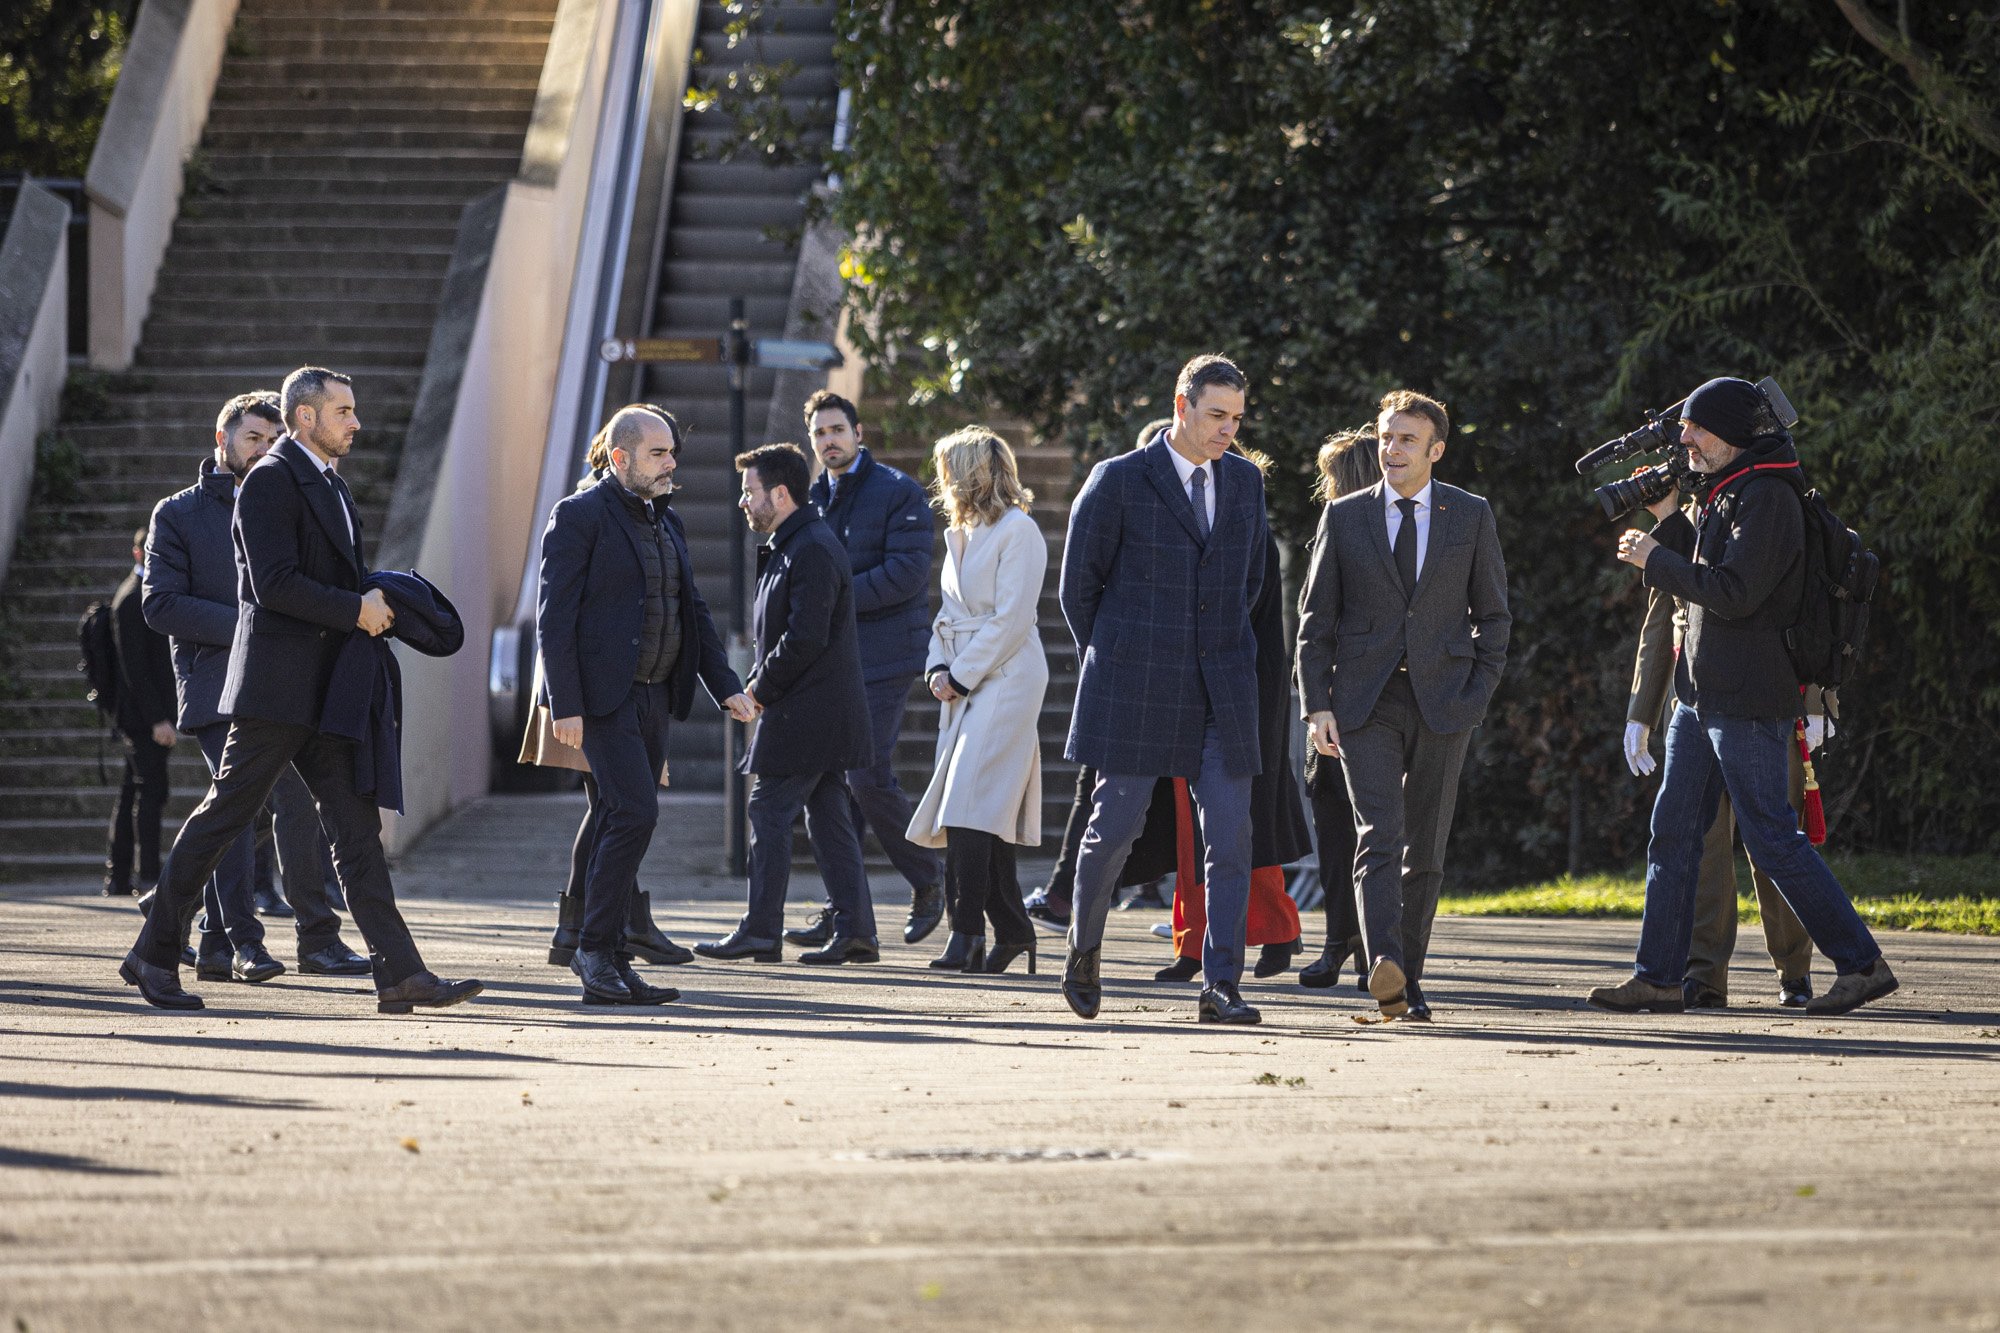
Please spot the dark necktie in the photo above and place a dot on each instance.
(1198, 484)
(347, 507)
(1406, 545)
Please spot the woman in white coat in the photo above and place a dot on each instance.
(987, 669)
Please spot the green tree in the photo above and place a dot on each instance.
(1526, 210)
(58, 63)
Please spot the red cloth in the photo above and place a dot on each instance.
(1274, 917)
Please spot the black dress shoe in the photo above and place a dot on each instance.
(1003, 954)
(1049, 915)
(1181, 969)
(1221, 1004)
(737, 945)
(640, 992)
(424, 989)
(598, 970)
(962, 953)
(1795, 992)
(1277, 958)
(844, 949)
(646, 940)
(817, 930)
(1387, 984)
(189, 958)
(1081, 987)
(1420, 1009)
(254, 963)
(926, 910)
(157, 986)
(271, 903)
(211, 966)
(335, 960)
(112, 890)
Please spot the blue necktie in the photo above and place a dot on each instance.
(1198, 483)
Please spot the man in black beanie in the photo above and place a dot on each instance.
(1740, 569)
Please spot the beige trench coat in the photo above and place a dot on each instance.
(989, 749)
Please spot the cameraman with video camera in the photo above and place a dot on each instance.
(1739, 702)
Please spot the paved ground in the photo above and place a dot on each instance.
(888, 1146)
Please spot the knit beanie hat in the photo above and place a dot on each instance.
(1727, 408)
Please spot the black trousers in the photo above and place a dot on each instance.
(229, 909)
(142, 797)
(301, 847)
(979, 868)
(1333, 834)
(253, 758)
(1062, 881)
(626, 748)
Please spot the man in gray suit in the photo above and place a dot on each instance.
(1402, 637)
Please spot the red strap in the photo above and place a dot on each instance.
(1715, 491)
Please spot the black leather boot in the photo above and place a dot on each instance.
(962, 953)
(569, 930)
(645, 939)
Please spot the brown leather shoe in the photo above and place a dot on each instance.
(424, 989)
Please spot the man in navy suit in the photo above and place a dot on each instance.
(299, 567)
(1164, 559)
(812, 707)
(624, 636)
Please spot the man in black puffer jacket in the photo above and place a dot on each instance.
(1739, 702)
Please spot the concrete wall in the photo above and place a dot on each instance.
(463, 512)
(34, 337)
(153, 123)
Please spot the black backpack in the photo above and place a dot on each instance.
(1840, 577)
(99, 664)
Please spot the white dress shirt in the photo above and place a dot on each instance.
(1423, 515)
(1187, 471)
(324, 469)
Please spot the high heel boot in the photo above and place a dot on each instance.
(569, 930)
(962, 953)
(1004, 954)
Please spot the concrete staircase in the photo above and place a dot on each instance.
(734, 230)
(345, 138)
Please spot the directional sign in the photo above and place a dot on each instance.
(682, 350)
(794, 354)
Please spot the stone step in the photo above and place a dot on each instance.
(273, 115)
(740, 243)
(233, 143)
(353, 95)
(344, 25)
(193, 235)
(730, 277)
(710, 207)
(789, 18)
(94, 803)
(380, 346)
(392, 69)
(440, 164)
(290, 194)
(470, 44)
(701, 315)
(316, 11)
(717, 49)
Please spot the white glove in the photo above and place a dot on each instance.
(1819, 730)
(1639, 758)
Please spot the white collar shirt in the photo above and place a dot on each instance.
(1186, 471)
(1423, 518)
(325, 471)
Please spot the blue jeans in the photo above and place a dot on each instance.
(1118, 814)
(1746, 756)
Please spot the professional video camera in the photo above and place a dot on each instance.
(1662, 432)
